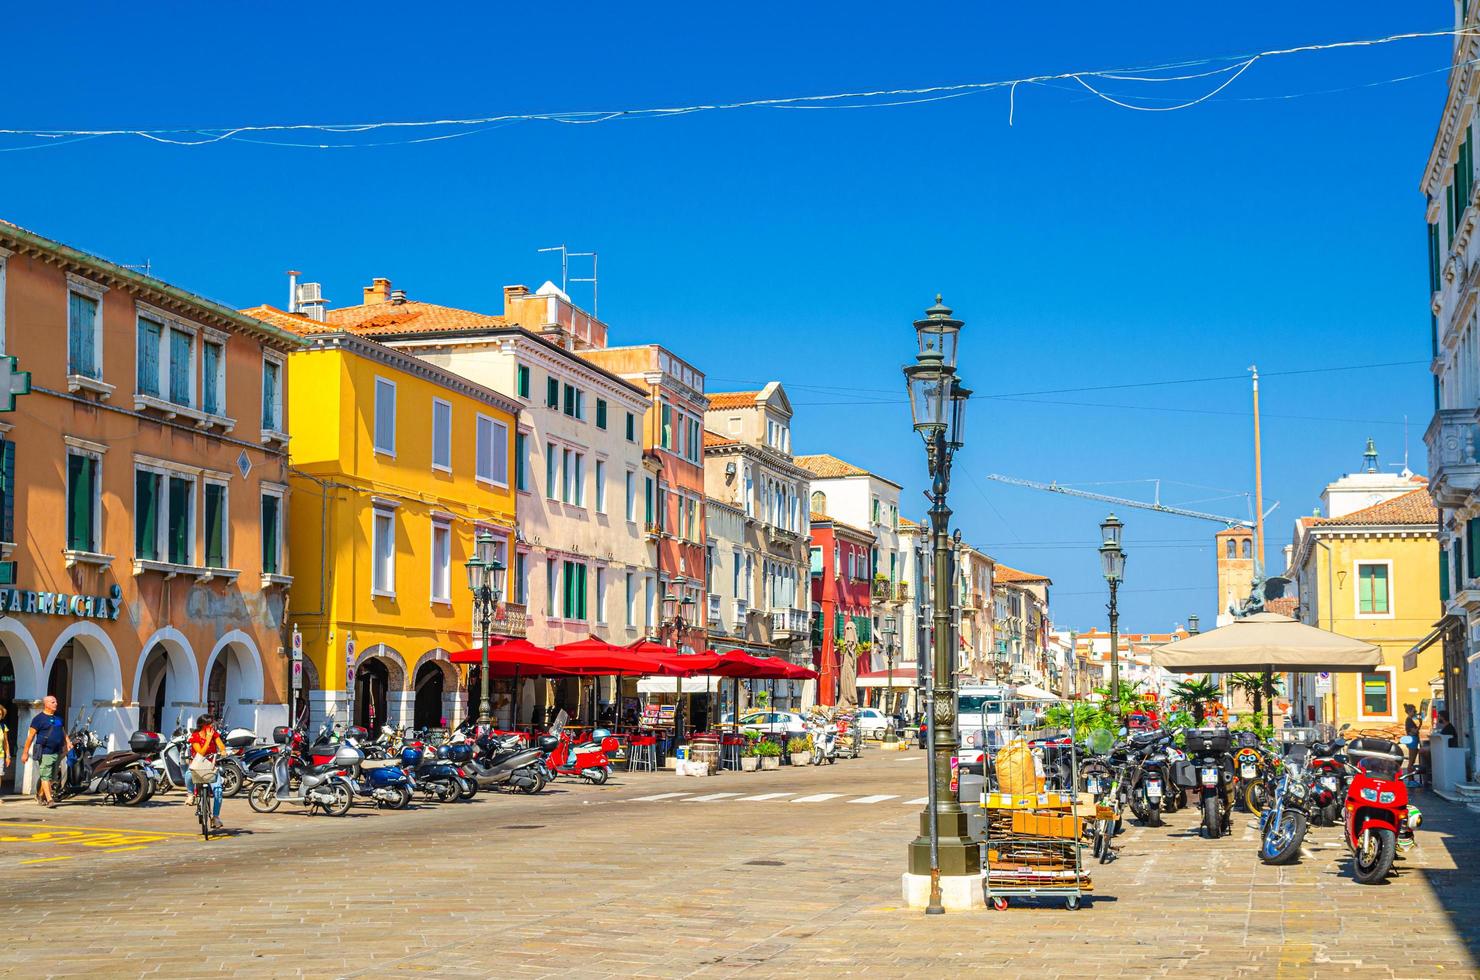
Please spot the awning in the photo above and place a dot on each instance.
(1410, 659)
(703, 684)
(1030, 693)
(880, 678)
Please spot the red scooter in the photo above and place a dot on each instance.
(587, 760)
(1377, 811)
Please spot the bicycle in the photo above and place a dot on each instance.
(203, 809)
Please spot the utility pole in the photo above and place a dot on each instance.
(1258, 480)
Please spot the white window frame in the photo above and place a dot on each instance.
(446, 440)
(224, 482)
(93, 291)
(631, 600)
(1392, 595)
(376, 447)
(277, 428)
(79, 447)
(631, 488)
(441, 525)
(496, 443)
(378, 510)
(1392, 677)
(600, 583)
(209, 336)
(579, 480)
(4, 254)
(599, 474)
(281, 494)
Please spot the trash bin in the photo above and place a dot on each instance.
(969, 795)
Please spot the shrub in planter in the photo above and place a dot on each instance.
(769, 753)
(800, 750)
(750, 761)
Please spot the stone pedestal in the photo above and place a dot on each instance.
(959, 854)
(958, 893)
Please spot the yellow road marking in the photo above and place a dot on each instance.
(65, 857)
(120, 850)
(111, 830)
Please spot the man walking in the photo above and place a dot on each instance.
(49, 736)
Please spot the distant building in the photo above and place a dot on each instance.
(1236, 565)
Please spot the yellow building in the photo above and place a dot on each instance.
(1372, 574)
(396, 464)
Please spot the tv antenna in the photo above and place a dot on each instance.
(565, 277)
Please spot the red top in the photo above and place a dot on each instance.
(206, 742)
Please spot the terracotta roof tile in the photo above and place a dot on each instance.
(1285, 605)
(1413, 507)
(409, 317)
(826, 466)
(720, 400)
(283, 320)
(715, 439)
(1007, 575)
(906, 522)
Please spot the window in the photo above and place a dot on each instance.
(1377, 694)
(441, 435)
(217, 521)
(819, 502)
(521, 380)
(492, 451)
(600, 490)
(874, 512)
(575, 402)
(385, 416)
(696, 440)
(666, 432)
(552, 468)
(82, 502)
(146, 514)
(383, 553)
(83, 336)
(550, 580)
(272, 398)
(182, 366)
(573, 603)
(147, 357)
(816, 561)
(578, 480)
(1372, 589)
(7, 476)
(180, 526)
(631, 427)
(1231, 549)
(631, 497)
(601, 413)
(837, 562)
(1248, 548)
(272, 507)
(631, 600)
(213, 377)
(649, 601)
(552, 393)
(521, 477)
(441, 562)
(647, 504)
(565, 458)
(739, 592)
(600, 595)
(693, 519)
(521, 578)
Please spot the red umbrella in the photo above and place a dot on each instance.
(594, 655)
(519, 656)
(796, 672)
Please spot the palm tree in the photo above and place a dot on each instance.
(1194, 694)
(1255, 687)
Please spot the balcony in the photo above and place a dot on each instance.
(790, 624)
(511, 620)
(1454, 469)
(901, 592)
(742, 609)
(881, 590)
(652, 531)
(713, 609)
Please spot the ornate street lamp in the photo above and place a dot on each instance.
(938, 407)
(1192, 627)
(675, 608)
(485, 583)
(888, 629)
(1112, 558)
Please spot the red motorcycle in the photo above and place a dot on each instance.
(1376, 807)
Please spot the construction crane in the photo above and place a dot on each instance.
(1157, 505)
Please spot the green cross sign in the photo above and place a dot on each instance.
(12, 383)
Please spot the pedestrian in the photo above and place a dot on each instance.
(1446, 728)
(46, 742)
(4, 746)
(205, 748)
(1411, 728)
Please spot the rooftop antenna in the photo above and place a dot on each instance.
(591, 279)
(564, 265)
(565, 280)
(144, 268)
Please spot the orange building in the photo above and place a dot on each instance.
(144, 485)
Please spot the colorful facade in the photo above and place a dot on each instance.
(841, 595)
(144, 482)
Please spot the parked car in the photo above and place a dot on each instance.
(786, 723)
(873, 722)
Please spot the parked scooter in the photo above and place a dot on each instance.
(507, 762)
(824, 736)
(168, 760)
(436, 778)
(323, 786)
(588, 760)
(120, 776)
(1377, 811)
(231, 767)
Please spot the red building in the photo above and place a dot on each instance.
(841, 591)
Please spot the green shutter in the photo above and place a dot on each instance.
(7, 490)
(146, 515)
(215, 521)
(1443, 575)
(1472, 548)
(523, 376)
(520, 480)
(178, 537)
(269, 534)
(210, 374)
(181, 366)
(147, 357)
(631, 427)
(647, 502)
(552, 393)
(600, 413)
(580, 592)
(667, 433)
(82, 321)
(80, 503)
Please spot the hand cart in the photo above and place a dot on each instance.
(1033, 842)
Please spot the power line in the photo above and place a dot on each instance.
(1234, 66)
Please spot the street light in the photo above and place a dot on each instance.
(938, 408)
(1192, 627)
(483, 581)
(1112, 558)
(888, 629)
(676, 622)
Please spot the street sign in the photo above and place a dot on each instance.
(297, 645)
(12, 383)
(1323, 682)
(349, 660)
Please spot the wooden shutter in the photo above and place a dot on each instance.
(7, 490)
(146, 515)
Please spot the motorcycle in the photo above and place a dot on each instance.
(507, 762)
(435, 778)
(1376, 806)
(120, 776)
(167, 762)
(231, 767)
(1210, 760)
(1253, 773)
(323, 786)
(378, 776)
(1329, 773)
(1147, 776)
(1284, 820)
(824, 737)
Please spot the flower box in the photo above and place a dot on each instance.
(749, 763)
(770, 762)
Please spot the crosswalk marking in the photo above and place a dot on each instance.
(710, 798)
(875, 799)
(817, 798)
(763, 796)
(923, 799)
(658, 796)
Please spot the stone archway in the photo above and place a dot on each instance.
(380, 690)
(83, 671)
(440, 695)
(22, 684)
(167, 684)
(234, 682)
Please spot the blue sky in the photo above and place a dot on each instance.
(1085, 245)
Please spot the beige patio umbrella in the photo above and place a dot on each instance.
(1267, 643)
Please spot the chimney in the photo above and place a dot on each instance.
(379, 291)
(398, 297)
(513, 294)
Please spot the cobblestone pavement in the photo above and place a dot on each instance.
(761, 874)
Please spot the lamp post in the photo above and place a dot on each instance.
(1192, 627)
(677, 606)
(888, 630)
(483, 581)
(1112, 558)
(938, 407)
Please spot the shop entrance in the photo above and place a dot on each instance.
(59, 681)
(153, 694)
(7, 702)
(372, 681)
(430, 686)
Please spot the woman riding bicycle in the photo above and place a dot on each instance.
(205, 748)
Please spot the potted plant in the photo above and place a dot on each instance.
(769, 753)
(800, 750)
(750, 760)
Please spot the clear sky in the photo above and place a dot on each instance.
(1086, 246)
